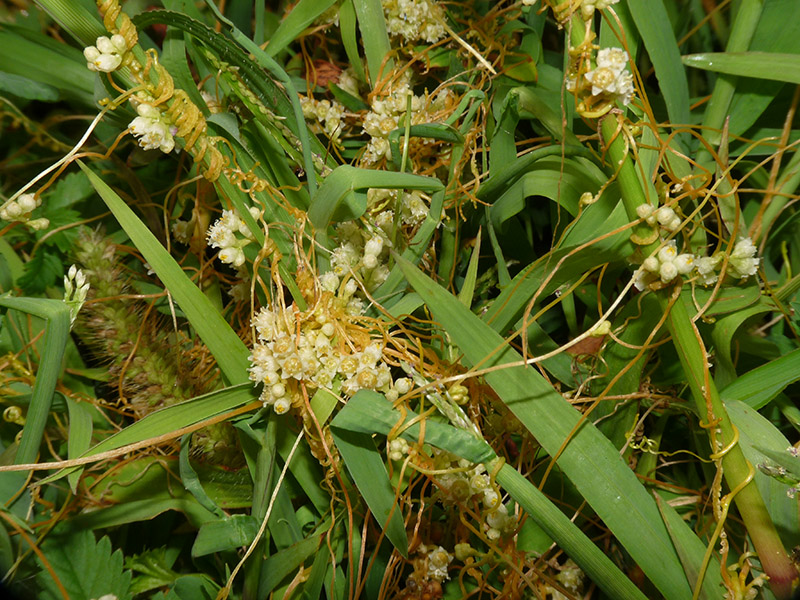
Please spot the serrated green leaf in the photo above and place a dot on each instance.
(86, 569)
(42, 271)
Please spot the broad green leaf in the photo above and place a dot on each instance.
(722, 334)
(690, 553)
(585, 455)
(27, 88)
(282, 563)
(759, 65)
(338, 198)
(229, 351)
(172, 418)
(560, 180)
(142, 510)
(374, 38)
(80, 435)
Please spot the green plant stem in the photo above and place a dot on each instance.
(692, 353)
(736, 468)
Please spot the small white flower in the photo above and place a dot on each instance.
(611, 77)
(232, 256)
(664, 215)
(151, 130)
(706, 268)
(438, 561)
(75, 290)
(106, 56)
(742, 262)
(374, 245)
(668, 252)
(651, 264)
(281, 406)
(667, 271)
(329, 282)
(684, 263)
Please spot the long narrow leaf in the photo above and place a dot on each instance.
(760, 65)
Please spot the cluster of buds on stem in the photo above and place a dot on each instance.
(20, 210)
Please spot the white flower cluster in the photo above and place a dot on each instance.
(282, 358)
(589, 6)
(463, 485)
(397, 449)
(222, 235)
(152, 129)
(359, 254)
(386, 111)
(571, 579)
(742, 262)
(412, 205)
(106, 55)
(328, 114)
(414, 20)
(611, 77)
(75, 289)
(666, 265)
(664, 216)
(20, 210)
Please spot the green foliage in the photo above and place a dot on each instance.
(476, 300)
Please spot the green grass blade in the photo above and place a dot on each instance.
(347, 26)
(468, 289)
(363, 460)
(171, 419)
(75, 18)
(759, 65)
(56, 333)
(374, 37)
(588, 458)
(690, 553)
(229, 351)
(759, 439)
(653, 23)
(80, 435)
(303, 14)
(281, 564)
(758, 387)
